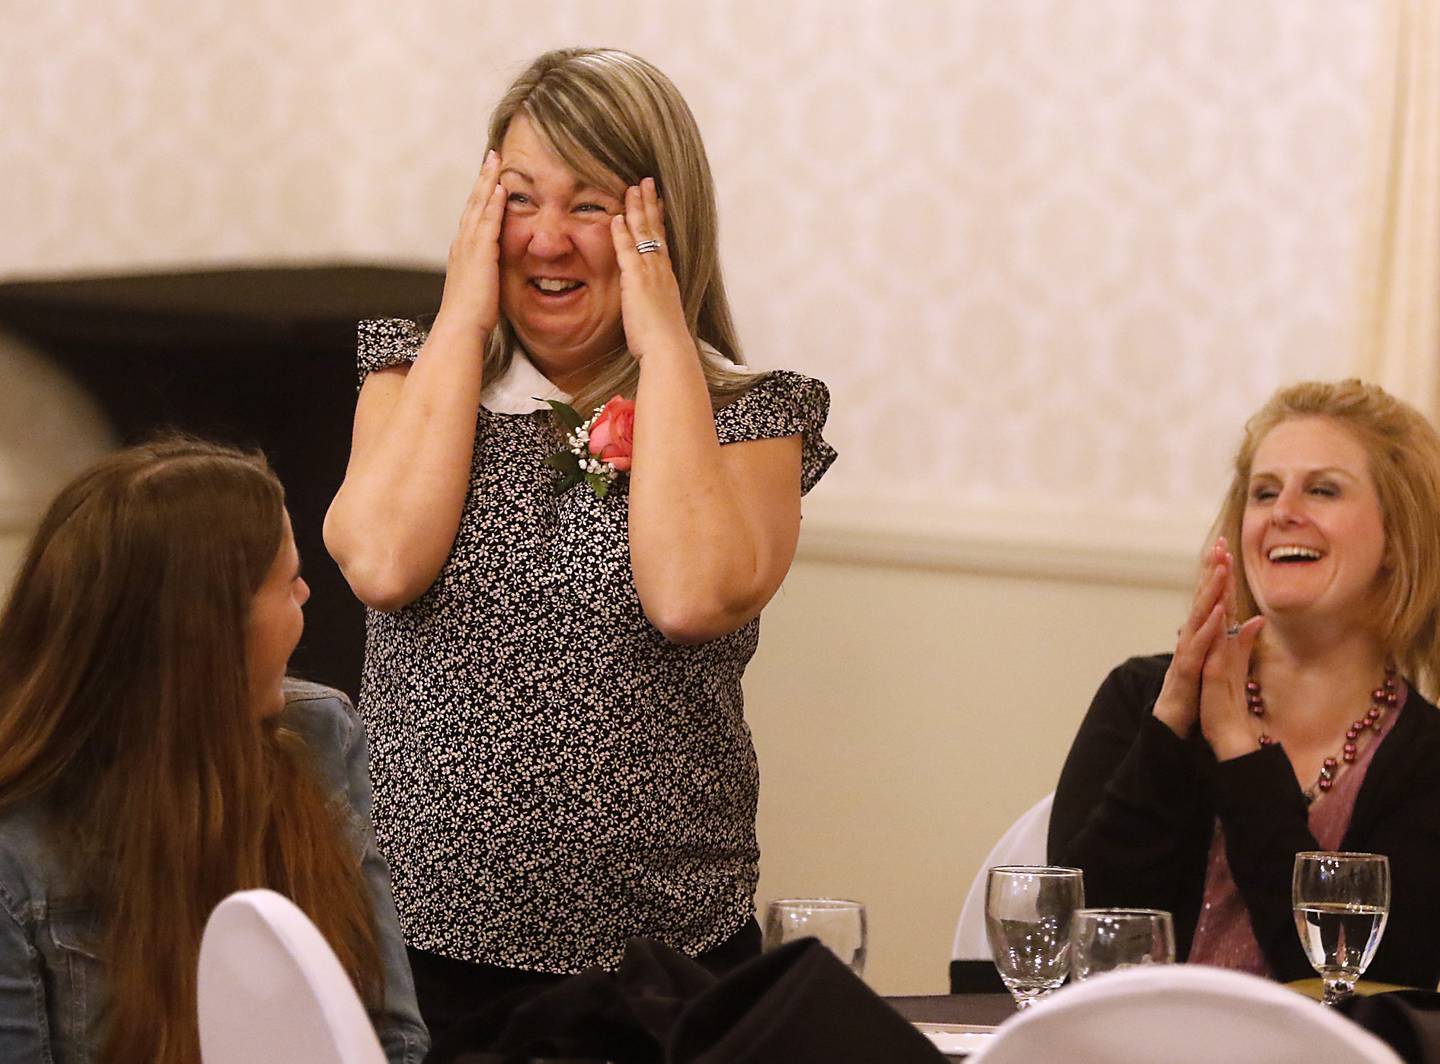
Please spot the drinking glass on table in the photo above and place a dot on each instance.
(1102, 940)
(1028, 909)
(837, 923)
(1342, 901)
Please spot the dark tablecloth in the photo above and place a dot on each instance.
(987, 1009)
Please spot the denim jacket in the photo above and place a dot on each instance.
(51, 976)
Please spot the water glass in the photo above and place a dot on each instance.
(1102, 940)
(837, 923)
(1342, 901)
(1028, 909)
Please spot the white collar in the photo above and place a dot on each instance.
(523, 389)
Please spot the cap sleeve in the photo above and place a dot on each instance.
(780, 404)
(385, 342)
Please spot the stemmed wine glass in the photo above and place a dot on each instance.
(1027, 919)
(1342, 901)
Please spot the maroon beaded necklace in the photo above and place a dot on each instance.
(1384, 697)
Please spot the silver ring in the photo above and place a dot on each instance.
(1233, 631)
(644, 247)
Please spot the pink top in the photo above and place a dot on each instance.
(1223, 935)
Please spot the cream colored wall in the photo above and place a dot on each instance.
(904, 716)
(1045, 252)
(1048, 254)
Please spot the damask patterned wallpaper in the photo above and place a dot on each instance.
(1047, 253)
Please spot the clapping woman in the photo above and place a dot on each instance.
(1291, 715)
(552, 682)
(153, 759)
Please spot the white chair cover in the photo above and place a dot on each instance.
(1181, 1014)
(271, 990)
(1022, 843)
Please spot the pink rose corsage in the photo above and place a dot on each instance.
(596, 451)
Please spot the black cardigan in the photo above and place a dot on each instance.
(1136, 808)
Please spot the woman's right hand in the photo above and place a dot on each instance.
(1178, 706)
(472, 272)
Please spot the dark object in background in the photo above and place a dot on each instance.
(1409, 1020)
(975, 977)
(260, 357)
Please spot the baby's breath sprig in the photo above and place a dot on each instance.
(575, 463)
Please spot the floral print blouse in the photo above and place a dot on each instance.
(552, 776)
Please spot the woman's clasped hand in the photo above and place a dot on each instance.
(1206, 678)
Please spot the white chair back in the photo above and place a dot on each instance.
(1181, 1014)
(271, 989)
(1022, 843)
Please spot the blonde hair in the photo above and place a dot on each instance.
(1404, 462)
(609, 114)
(125, 713)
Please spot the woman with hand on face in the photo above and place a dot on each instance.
(1289, 717)
(552, 682)
(154, 759)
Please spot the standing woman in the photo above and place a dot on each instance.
(552, 684)
(1288, 717)
(154, 759)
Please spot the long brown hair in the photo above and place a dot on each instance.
(125, 712)
(609, 114)
(1404, 461)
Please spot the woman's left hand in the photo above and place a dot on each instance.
(1224, 712)
(650, 305)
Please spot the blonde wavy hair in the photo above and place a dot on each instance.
(609, 114)
(1404, 462)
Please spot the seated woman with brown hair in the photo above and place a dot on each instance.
(153, 759)
(1290, 716)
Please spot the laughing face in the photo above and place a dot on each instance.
(1313, 537)
(559, 278)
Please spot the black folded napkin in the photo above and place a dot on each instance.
(594, 1016)
(799, 1003)
(1407, 1019)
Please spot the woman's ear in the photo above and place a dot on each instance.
(1388, 561)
